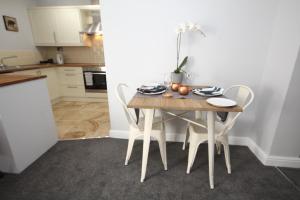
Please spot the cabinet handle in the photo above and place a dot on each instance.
(70, 74)
(54, 36)
(69, 70)
(80, 38)
(72, 87)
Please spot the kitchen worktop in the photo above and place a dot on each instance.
(42, 66)
(14, 79)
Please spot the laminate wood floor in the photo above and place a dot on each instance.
(81, 120)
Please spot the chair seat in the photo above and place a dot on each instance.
(198, 129)
(156, 125)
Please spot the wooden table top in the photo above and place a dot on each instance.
(159, 102)
(14, 79)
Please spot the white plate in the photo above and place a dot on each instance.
(153, 93)
(221, 102)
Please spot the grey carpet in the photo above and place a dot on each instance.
(292, 174)
(94, 169)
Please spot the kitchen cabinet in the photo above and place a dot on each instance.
(27, 126)
(71, 81)
(64, 82)
(56, 26)
(43, 26)
(52, 80)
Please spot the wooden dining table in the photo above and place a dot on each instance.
(190, 102)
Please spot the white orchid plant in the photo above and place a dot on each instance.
(182, 28)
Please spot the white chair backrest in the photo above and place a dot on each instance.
(121, 97)
(244, 98)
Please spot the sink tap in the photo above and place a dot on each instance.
(2, 65)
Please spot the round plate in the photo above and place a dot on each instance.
(153, 93)
(221, 102)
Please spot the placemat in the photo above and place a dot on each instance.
(176, 95)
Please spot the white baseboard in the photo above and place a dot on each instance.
(120, 134)
(263, 157)
(260, 154)
(281, 161)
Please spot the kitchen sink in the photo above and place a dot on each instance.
(8, 68)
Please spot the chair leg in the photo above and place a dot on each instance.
(227, 157)
(219, 147)
(192, 154)
(163, 149)
(129, 147)
(187, 135)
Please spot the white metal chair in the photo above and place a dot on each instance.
(198, 135)
(137, 129)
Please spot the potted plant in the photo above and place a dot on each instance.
(177, 74)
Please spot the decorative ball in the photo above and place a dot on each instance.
(183, 90)
(175, 86)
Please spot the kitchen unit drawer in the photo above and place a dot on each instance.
(71, 76)
(77, 70)
(73, 90)
(71, 79)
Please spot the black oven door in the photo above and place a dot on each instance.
(95, 80)
(99, 79)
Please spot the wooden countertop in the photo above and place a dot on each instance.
(42, 66)
(14, 79)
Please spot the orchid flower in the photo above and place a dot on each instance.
(182, 28)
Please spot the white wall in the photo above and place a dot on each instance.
(248, 42)
(140, 45)
(287, 137)
(280, 63)
(21, 40)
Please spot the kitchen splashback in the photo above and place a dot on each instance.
(24, 57)
(93, 54)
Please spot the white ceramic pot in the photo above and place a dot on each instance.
(176, 77)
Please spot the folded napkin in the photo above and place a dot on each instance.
(222, 116)
(210, 90)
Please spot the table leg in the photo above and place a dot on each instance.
(211, 145)
(147, 131)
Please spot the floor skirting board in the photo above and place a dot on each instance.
(265, 159)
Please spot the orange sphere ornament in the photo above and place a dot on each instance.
(175, 86)
(183, 90)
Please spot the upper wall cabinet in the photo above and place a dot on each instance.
(56, 26)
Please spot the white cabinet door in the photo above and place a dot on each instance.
(43, 25)
(68, 26)
(56, 26)
(52, 82)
